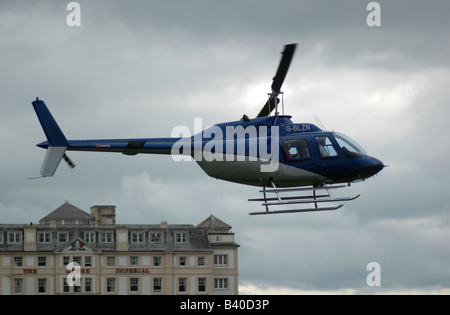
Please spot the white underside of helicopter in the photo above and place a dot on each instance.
(258, 173)
(280, 187)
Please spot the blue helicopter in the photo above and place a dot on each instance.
(286, 159)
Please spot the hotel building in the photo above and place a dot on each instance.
(74, 252)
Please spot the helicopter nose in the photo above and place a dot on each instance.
(372, 168)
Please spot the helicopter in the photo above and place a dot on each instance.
(286, 159)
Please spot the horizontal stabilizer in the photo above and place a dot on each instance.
(52, 160)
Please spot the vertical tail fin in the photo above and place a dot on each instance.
(52, 131)
(57, 142)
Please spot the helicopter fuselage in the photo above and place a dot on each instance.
(256, 152)
(301, 154)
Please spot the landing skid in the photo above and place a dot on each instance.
(315, 199)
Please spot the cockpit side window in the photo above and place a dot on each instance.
(326, 147)
(296, 149)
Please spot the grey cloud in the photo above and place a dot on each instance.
(139, 68)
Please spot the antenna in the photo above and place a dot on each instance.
(322, 126)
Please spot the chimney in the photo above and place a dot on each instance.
(104, 215)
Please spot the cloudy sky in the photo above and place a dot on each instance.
(141, 68)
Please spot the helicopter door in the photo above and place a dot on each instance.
(296, 150)
(333, 164)
(326, 148)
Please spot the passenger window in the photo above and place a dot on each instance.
(326, 147)
(296, 149)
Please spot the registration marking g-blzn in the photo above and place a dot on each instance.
(298, 127)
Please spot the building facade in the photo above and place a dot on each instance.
(73, 252)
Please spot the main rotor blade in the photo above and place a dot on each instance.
(268, 107)
(278, 80)
(283, 68)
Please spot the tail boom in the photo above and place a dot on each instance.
(57, 144)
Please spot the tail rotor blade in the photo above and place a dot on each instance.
(68, 161)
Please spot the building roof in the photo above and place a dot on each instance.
(213, 224)
(65, 212)
(170, 237)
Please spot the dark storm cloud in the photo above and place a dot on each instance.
(140, 68)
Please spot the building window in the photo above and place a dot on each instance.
(89, 237)
(106, 237)
(110, 285)
(182, 260)
(42, 261)
(157, 284)
(134, 261)
(66, 288)
(220, 260)
(221, 283)
(156, 237)
(18, 285)
(18, 261)
(77, 259)
(14, 237)
(201, 261)
(1, 237)
(44, 237)
(66, 260)
(110, 261)
(134, 284)
(88, 261)
(88, 285)
(157, 262)
(182, 284)
(62, 237)
(181, 238)
(201, 284)
(42, 285)
(137, 237)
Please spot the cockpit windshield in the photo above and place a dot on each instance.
(350, 147)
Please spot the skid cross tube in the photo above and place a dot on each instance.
(282, 200)
(296, 210)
